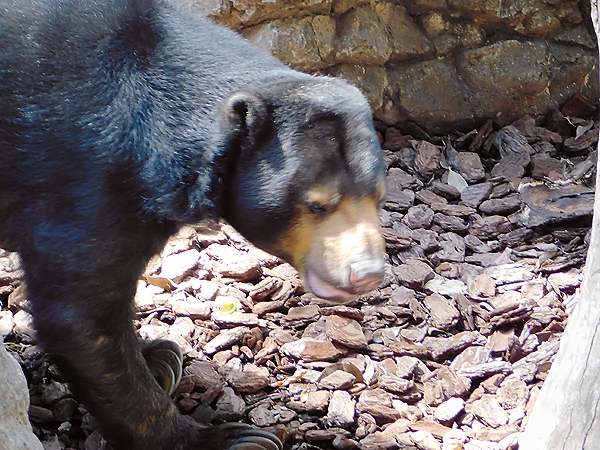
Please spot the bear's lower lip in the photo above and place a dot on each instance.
(325, 290)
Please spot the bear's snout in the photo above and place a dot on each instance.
(342, 255)
(366, 275)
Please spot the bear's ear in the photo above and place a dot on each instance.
(245, 113)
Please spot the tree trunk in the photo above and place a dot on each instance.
(566, 415)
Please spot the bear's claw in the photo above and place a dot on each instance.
(255, 439)
(239, 436)
(165, 360)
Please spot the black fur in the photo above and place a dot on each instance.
(121, 120)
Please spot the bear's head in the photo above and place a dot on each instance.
(307, 181)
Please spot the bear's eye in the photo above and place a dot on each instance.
(318, 209)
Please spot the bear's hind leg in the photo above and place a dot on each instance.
(82, 304)
(102, 360)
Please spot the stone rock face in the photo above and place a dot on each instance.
(442, 64)
(306, 41)
(15, 429)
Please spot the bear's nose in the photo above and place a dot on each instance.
(366, 276)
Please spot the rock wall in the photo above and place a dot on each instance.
(15, 429)
(443, 64)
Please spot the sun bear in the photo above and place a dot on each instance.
(122, 120)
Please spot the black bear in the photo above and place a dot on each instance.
(121, 120)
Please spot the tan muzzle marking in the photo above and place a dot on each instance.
(332, 245)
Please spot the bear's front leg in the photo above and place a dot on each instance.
(82, 305)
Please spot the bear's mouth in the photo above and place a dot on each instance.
(324, 290)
